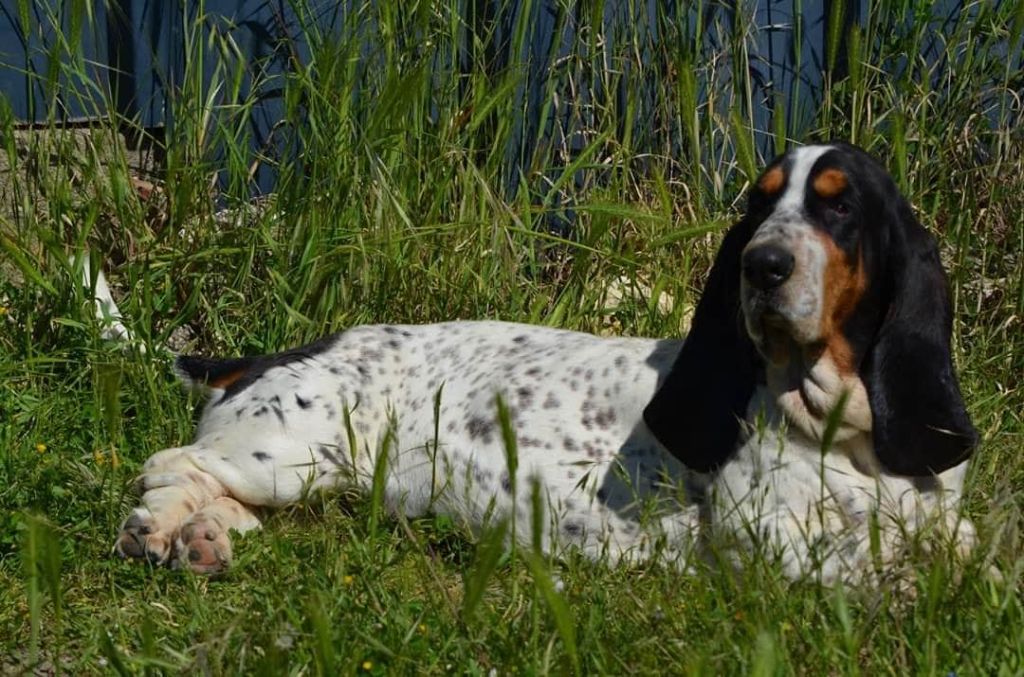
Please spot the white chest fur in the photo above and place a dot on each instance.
(827, 513)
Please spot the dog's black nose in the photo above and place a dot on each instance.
(767, 266)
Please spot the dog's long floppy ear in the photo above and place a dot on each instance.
(697, 410)
(920, 424)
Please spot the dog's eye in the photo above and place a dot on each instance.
(840, 208)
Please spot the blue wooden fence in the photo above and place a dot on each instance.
(135, 49)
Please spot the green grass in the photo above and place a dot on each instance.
(401, 210)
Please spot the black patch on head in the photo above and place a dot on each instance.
(249, 369)
(261, 456)
(303, 404)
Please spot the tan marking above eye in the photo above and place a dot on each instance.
(772, 180)
(830, 183)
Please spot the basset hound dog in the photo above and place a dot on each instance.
(812, 414)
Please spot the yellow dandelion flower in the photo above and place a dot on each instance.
(3, 310)
(423, 629)
(367, 665)
(98, 457)
(348, 580)
(40, 447)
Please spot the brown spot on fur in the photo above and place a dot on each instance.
(771, 181)
(830, 182)
(845, 282)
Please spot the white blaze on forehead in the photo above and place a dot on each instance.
(803, 160)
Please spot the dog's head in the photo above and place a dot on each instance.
(828, 259)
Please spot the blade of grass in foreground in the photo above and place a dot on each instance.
(489, 551)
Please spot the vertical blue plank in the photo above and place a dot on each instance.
(34, 69)
(145, 38)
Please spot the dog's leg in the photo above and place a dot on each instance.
(174, 489)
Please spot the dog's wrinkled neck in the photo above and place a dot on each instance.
(814, 394)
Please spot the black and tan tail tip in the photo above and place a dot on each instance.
(204, 373)
(234, 374)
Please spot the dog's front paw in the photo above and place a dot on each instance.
(142, 537)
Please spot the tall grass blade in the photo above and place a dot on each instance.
(833, 421)
(511, 448)
(560, 613)
(41, 560)
(379, 480)
(489, 551)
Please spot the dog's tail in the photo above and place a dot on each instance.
(204, 373)
(197, 373)
(236, 373)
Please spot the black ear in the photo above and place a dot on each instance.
(920, 424)
(697, 410)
